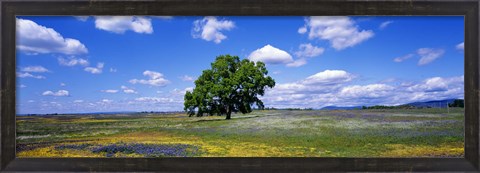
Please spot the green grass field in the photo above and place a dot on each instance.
(268, 133)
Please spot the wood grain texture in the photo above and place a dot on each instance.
(7, 87)
(241, 7)
(242, 164)
(467, 8)
(472, 83)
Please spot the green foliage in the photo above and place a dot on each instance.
(229, 86)
(457, 103)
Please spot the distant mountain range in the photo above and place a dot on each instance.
(341, 108)
(432, 104)
(426, 104)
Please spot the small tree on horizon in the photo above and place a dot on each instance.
(229, 86)
(457, 103)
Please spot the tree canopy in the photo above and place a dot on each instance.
(457, 103)
(229, 86)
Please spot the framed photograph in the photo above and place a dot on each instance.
(239, 86)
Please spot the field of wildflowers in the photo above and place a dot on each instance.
(269, 133)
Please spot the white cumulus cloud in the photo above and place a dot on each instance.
(385, 24)
(313, 91)
(209, 29)
(428, 55)
(297, 63)
(340, 31)
(302, 30)
(121, 24)
(305, 51)
(34, 39)
(129, 91)
(181, 92)
(330, 88)
(95, 70)
(110, 91)
(328, 77)
(403, 58)
(59, 93)
(106, 101)
(321, 82)
(308, 50)
(154, 79)
(367, 91)
(154, 99)
(35, 69)
(460, 46)
(187, 78)
(72, 61)
(270, 55)
(28, 75)
(436, 84)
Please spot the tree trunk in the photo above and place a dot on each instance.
(229, 113)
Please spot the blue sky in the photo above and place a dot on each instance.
(85, 64)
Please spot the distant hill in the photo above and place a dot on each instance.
(426, 104)
(341, 108)
(432, 104)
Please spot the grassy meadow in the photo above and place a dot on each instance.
(268, 133)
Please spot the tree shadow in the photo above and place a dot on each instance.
(233, 118)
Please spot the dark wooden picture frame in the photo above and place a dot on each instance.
(467, 8)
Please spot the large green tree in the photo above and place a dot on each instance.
(229, 86)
